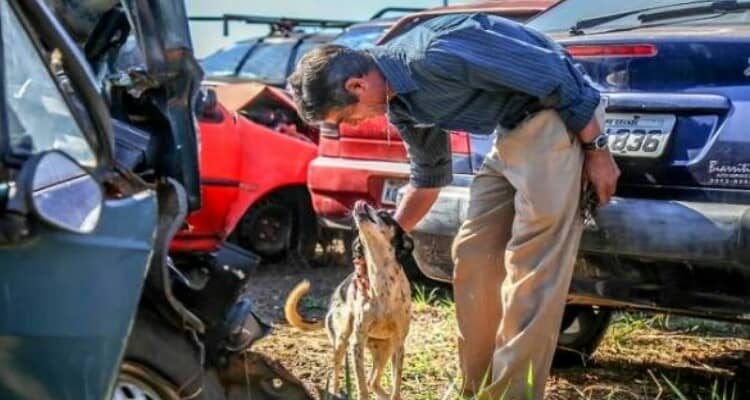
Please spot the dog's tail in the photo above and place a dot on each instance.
(291, 312)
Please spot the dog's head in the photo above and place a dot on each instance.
(381, 233)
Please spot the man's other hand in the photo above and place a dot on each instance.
(600, 170)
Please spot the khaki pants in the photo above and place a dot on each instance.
(514, 258)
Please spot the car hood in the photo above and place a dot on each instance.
(238, 96)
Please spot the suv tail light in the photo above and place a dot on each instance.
(613, 50)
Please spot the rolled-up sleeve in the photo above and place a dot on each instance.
(429, 155)
(490, 60)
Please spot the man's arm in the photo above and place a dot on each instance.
(497, 60)
(431, 168)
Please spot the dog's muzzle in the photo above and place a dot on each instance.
(363, 211)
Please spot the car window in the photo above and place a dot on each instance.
(39, 119)
(225, 61)
(565, 15)
(361, 38)
(304, 48)
(268, 62)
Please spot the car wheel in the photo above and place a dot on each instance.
(582, 329)
(138, 382)
(277, 224)
(266, 229)
(161, 363)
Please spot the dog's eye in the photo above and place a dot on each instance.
(385, 216)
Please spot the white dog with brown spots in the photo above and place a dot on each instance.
(371, 308)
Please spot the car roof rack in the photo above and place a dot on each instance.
(400, 10)
(282, 25)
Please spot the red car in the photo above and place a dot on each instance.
(254, 155)
(368, 161)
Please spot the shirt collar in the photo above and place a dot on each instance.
(394, 66)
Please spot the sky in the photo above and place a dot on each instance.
(207, 36)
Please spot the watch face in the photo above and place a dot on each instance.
(601, 141)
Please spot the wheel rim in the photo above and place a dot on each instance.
(271, 229)
(137, 382)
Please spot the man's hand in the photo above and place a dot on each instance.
(415, 205)
(600, 170)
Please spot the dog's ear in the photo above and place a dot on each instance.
(403, 245)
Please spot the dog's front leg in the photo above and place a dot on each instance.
(397, 367)
(381, 352)
(358, 345)
(340, 341)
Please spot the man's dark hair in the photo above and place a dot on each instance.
(317, 84)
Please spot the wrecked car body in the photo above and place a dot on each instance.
(99, 169)
(259, 197)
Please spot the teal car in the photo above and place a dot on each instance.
(98, 169)
(78, 228)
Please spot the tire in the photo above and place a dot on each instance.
(280, 223)
(162, 363)
(138, 382)
(582, 330)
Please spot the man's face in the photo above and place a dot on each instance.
(371, 91)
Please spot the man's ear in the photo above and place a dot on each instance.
(356, 86)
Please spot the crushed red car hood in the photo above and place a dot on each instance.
(238, 96)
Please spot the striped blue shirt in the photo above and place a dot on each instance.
(474, 73)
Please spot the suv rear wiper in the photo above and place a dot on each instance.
(722, 6)
(579, 26)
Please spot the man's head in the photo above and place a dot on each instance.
(336, 84)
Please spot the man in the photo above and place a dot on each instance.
(515, 252)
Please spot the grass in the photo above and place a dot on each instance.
(430, 372)
(424, 298)
(716, 394)
(643, 356)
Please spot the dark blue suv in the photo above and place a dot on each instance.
(677, 236)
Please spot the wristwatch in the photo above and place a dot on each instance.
(599, 143)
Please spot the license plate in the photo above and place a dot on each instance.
(390, 191)
(639, 135)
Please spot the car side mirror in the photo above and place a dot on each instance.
(61, 193)
(207, 105)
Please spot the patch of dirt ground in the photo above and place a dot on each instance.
(641, 357)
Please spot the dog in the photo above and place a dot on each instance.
(371, 308)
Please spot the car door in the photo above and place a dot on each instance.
(75, 234)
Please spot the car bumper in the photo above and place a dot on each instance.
(655, 230)
(336, 183)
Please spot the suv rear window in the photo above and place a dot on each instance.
(565, 15)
